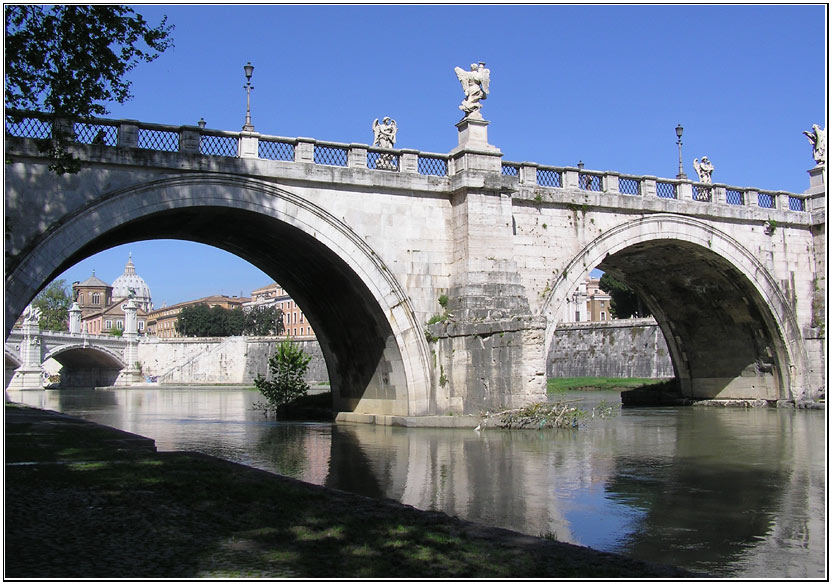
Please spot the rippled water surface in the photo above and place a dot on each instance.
(729, 492)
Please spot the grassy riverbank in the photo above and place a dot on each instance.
(87, 501)
(555, 385)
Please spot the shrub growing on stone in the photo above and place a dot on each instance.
(287, 368)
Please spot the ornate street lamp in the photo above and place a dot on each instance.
(679, 131)
(201, 123)
(249, 70)
(580, 165)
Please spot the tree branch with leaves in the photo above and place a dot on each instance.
(70, 60)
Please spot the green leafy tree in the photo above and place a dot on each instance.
(287, 368)
(204, 321)
(54, 302)
(624, 302)
(69, 60)
(264, 321)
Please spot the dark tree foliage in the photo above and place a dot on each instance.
(624, 302)
(264, 321)
(69, 60)
(54, 302)
(205, 321)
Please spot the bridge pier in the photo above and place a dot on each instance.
(131, 374)
(29, 376)
(489, 348)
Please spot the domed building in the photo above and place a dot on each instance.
(102, 305)
(128, 281)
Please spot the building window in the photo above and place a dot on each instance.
(108, 324)
(141, 325)
(120, 324)
(603, 316)
(96, 298)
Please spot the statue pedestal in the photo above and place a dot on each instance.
(473, 151)
(817, 189)
(26, 378)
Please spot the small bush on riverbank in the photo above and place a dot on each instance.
(287, 368)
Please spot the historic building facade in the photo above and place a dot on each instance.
(295, 323)
(102, 305)
(162, 322)
(587, 303)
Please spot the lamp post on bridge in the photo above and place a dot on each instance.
(679, 131)
(249, 70)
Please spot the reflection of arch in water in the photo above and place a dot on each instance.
(730, 330)
(376, 354)
(87, 366)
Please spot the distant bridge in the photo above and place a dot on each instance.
(87, 360)
(368, 240)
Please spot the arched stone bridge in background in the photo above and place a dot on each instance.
(86, 360)
(367, 240)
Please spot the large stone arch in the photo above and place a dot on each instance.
(710, 262)
(76, 351)
(375, 351)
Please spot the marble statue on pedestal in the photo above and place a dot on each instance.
(703, 169)
(817, 138)
(384, 135)
(475, 84)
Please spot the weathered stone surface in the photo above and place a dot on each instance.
(625, 348)
(733, 287)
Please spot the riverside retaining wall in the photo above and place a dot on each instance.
(219, 360)
(622, 348)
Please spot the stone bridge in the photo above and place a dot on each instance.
(86, 360)
(435, 282)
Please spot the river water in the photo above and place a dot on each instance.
(727, 491)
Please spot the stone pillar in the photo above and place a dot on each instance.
(815, 335)
(189, 138)
(409, 161)
(357, 156)
(75, 319)
(571, 178)
(305, 150)
(29, 376)
(128, 134)
(528, 173)
(684, 191)
(131, 374)
(489, 347)
(247, 144)
(611, 182)
(473, 153)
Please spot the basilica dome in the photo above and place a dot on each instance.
(131, 280)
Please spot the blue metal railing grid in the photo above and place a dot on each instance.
(549, 178)
(432, 165)
(330, 155)
(164, 140)
(218, 145)
(276, 150)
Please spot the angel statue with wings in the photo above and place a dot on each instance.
(475, 85)
(704, 169)
(817, 138)
(384, 135)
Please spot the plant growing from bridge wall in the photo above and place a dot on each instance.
(287, 368)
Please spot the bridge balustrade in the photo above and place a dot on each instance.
(166, 138)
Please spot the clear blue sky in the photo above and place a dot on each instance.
(603, 84)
